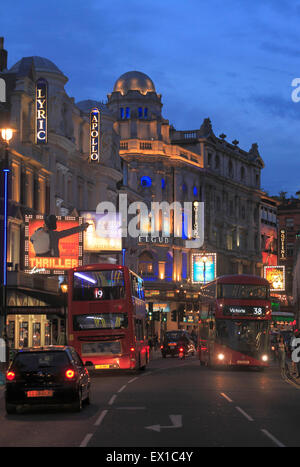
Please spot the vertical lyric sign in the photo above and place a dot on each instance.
(95, 135)
(41, 111)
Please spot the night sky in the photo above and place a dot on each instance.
(232, 61)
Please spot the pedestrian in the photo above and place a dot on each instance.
(282, 353)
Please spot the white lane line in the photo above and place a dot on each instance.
(112, 399)
(122, 388)
(275, 440)
(245, 414)
(130, 408)
(86, 440)
(226, 397)
(100, 418)
(133, 379)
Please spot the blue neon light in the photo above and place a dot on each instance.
(146, 181)
(5, 226)
(84, 277)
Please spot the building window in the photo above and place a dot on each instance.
(289, 223)
(122, 113)
(145, 112)
(127, 112)
(140, 112)
(146, 264)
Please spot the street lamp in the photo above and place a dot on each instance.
(64, 291)
(204, 259)
(6, 134)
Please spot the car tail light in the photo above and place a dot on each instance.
(161, 346)
(70, 374)
(181, 349)
(10, 375)
(132, 349)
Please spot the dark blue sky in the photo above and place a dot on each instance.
(230, 60)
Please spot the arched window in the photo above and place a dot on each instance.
(146, 266)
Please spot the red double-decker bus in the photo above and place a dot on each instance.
(106, 317)
(234, 321)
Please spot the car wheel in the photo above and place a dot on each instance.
(77, 405)
(10, 408)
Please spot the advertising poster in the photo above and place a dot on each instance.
(203, 267)
(53, 244)
(276, 276)
(104, 232)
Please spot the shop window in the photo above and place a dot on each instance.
(36, 334)
(23, 334)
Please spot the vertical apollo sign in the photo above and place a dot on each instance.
(95, 135)
(41, 111)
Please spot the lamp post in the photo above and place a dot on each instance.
(204, 259)
(64, 291)
(6, 134)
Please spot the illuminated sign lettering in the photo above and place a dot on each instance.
(95, 135)
(41, 110)
(282, 244)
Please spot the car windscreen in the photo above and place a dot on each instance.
(98, 285)
(31, 361)
(174, 336)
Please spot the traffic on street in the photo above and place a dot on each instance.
(174, 403)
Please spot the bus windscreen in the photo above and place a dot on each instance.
(100, 321)
(243, 291)
(98, 285)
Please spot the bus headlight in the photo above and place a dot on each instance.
(265, 358)
(221, 356)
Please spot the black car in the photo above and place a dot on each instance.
(47, 376)
(175, 340)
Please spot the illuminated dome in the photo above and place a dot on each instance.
(134, 81)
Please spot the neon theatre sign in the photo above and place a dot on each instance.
(41, 109)
(95, 135)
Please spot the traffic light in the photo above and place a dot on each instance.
(150, 311)
(181, 313)
(174, 315)
(156, 316)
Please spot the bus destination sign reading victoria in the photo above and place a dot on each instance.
(233, 310)
(95, 135)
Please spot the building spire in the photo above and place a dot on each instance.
(3, 55)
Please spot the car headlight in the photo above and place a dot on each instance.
(265, 358)
(221, 356)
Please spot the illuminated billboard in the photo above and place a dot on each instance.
(104, 232)
(95, 135)
(204, 267)
(41, 109)
(53, 244)
(276, 277)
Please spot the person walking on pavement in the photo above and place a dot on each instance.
(282, 353)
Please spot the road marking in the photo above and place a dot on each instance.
(226, 397)
(130, 408)
(112, 399)
(245, 414)
(86, 440)
(122, 388)
(100, 418)
(275, 440)
(175, 419)
(133, 379)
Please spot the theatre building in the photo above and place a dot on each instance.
(50, 175)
